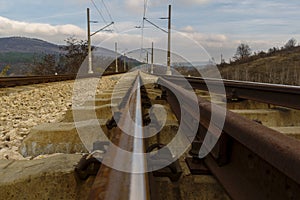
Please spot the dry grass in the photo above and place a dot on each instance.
(281, 68)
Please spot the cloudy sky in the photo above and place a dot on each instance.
(212, 26)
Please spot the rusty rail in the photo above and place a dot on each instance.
(113, 184)
(250, 160)
(282, 95)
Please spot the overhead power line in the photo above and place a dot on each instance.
(98, 10)
(55, 16)
(108, 13)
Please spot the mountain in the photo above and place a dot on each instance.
(21, 55)
(27, 45)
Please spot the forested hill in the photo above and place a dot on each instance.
(20, 56)
(20, 53)
(27, 45)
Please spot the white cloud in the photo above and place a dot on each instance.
(211, 40)
(136, 6)
(188, 29)
(48, 32)
(193, 2)
(215, 44)
(180, 2)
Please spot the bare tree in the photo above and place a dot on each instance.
(291, 43)
(76, 52)
(47, 66)
(242, 51)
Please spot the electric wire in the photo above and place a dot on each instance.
(99, 11)
(109, 15)
(56, 16)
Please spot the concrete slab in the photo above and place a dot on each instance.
(110, 95)
(50, 178)
(292, 131)
(89, 112)
(100, 102)
(62, 138)
(272, 117)
(247, 104)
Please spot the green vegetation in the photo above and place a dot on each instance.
(28, 63)
(17, 57)
(20, 63)
(4, 71)
(36, 57)
(76, 52)
(46, 66)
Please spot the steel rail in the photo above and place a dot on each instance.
(138, 181)
(281, 95)
(111, 184)
(20, 81)
(28, 80)
(250, 160)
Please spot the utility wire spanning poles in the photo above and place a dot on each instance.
(89, 35)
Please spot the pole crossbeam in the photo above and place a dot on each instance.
(155, 25)
(101, 29)
(89, 35)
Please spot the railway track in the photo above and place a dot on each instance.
(29, 80)
(250, 160)
(250, 155)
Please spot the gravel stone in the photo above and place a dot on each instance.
(23, 109)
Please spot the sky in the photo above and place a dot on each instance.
(201, 29)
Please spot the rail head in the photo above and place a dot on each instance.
(112, 181)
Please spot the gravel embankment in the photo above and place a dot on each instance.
(44, 103)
